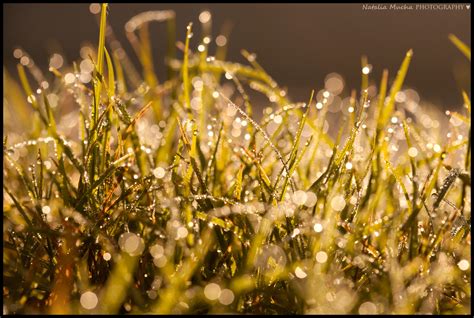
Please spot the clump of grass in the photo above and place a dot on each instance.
(127, 193)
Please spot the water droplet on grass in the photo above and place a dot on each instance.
(159, 172)
(318, 227)
(212, 291)
(463, 265)
(300, 273)
(338, 203)
(89, 300)
(226, 297)
(321, 257)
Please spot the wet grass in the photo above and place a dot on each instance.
(126, 193)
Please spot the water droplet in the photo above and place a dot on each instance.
(212, 291)
(31, 99)
(299, 197)
(160, 261)
(69, 78)
(17, 53)
(156, 251)
(152, 294)
(300, 273)
(321, 257)
(25, 60)
(367, 308)
(89, 300)
(318, 227)
(46, 209)
(159, 172)
(221, 40)
(365, 70)
(295, 233)
(204, 16)
(131, 243)
(311, 199)
(94, 8)
(338, 203)
(226, 297)
(182, 232)
(463, 265)
(412, 152)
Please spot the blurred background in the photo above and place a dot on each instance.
(298, 44)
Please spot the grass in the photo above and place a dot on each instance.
(126, 193)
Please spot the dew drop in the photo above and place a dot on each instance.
(300, 273)
(338, 203)
(131, 243)
(204, 17)
(89, 300)
(226, 297)
(412, 152)
(321, 257)
(463, 265)
(212, 291)
(299, 197)
(318, 227)
(367, 308)
(159, 172)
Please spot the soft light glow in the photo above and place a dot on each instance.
(321, 257)
(226, 297)
(338, 203)
(463, 265)
(367, 308)
(212, 291)
(94, 8)
(204, 17)
(131, 243)
(318, 228)
(156, 250)
(311, 199)
(412, 152)
(159, 172)
(221, 40)
(89, 300)
(300, 273)
(299, 197)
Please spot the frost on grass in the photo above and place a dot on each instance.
(129, 193)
